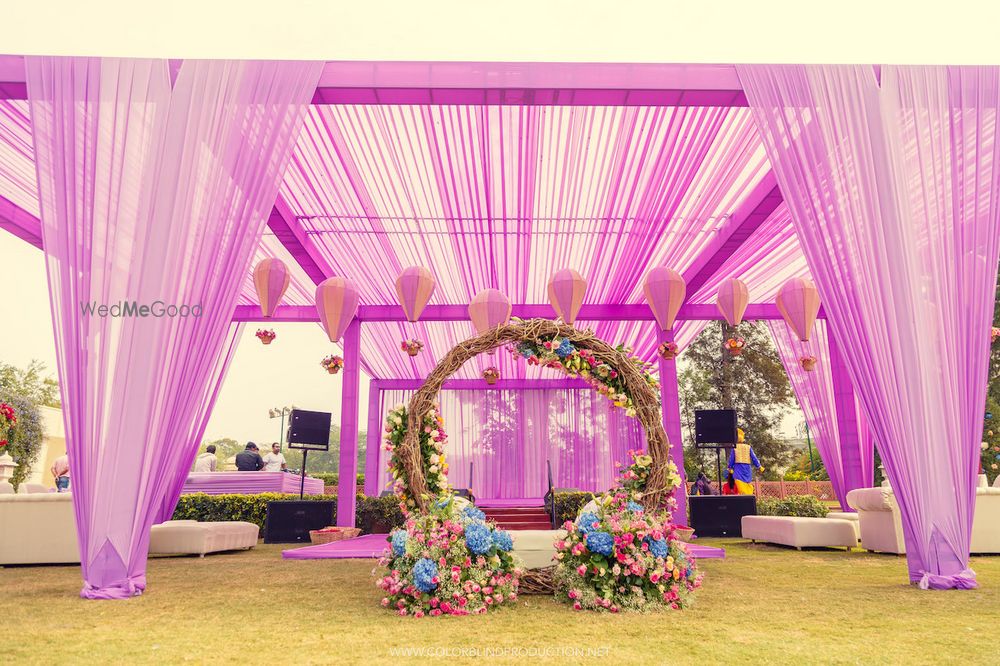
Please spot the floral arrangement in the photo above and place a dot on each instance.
(734, 345)
(448, 561)
(411, 346)
(8, 419)
(994, 334)
(562, 354)
(432, 443)
(808, 362)
(265, 335)
(619, 557)
(333, 364)
(667, 350)
(632, 480)
(491, 375)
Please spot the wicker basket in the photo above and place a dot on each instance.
(333, 534)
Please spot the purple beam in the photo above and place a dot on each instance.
(745, 220)
(507, 83)
(374, 442)
(481, 385)
(625, 312)
(852, 465)
(20, 222)
(290, 234)
(348, 467)
(671, 414)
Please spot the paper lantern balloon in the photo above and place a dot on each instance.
(414, 287)
(798, 303)
(566, 289)
(270, 277)
(489, 309)
(665, 290)
(336, 303)
(732, 300)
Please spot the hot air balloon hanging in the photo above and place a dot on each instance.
(665, 290)
(732, 300)
(798, 303)
(336, 304)
(489, 309)
(270, 278)
(414, 287)
(566, 290)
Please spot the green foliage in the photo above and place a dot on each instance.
(804, 470)
(25, 442)
(990, 456)
(332, 478)
(754, 384)
(30, 383)
(803, 506)
(568, 505)
(373, 514)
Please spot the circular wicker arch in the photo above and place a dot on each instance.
(644, 396)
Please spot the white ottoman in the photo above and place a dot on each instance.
(189, 537)
(536, 547)
(849, 516)
(800, 532)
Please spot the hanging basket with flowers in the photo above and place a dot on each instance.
(808, 362)
(332, 363)
(411, 346)
(734, 346)
(265, 335)
(491, 375)
(667, 351)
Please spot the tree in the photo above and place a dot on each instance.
(990, 452)
(802, 468)
(25, 442)
(754, 384)
(31, 383)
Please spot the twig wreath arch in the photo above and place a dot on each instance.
(644, 397)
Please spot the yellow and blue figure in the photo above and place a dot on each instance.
(742, 459)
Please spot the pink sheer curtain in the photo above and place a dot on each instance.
(510, 436)
(816, 394)
(155, 193)
(893, 190)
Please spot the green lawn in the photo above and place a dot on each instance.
(761, 605)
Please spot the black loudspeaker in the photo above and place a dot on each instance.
(290, 522)
(720, 515)
(309, 430)
(714, 426)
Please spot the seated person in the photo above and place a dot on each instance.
(206, 462)
(729, 486)
(702, 486)
(249, 460)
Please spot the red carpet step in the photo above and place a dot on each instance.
(519, 517)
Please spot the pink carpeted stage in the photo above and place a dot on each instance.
(249, 483)
(372, 545)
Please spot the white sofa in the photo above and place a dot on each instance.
(189, 537)
(882, 526)
(38, 528)
(800, 532)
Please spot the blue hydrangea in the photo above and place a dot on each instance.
(399, 538)
(565, 348)
(585, 523)
(478, 538)
(634, 507)
(424, 572)
(657, 547)
(472, 513)
(600, 543)
(443, 503)
(503, 540)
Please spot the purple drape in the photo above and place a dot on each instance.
(155, 192)
(893, 188)
(816, 393)
(510, 436)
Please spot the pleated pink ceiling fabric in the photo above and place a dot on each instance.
(271, 278)
(566, 291)
(894, 190)
(414, 288)
(336, 304)
(155, 194)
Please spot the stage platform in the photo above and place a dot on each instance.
(371, 546)
(249, 483)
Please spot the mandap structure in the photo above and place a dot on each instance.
(494, 175)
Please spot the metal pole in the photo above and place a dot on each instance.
(302, 484)
(281, 433)
(812, 467)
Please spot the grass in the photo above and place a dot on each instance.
(762, 604)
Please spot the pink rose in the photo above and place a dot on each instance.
(402, 611)
(582, 569)
(577, 606)
(418, 613)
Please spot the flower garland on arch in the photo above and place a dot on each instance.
(432, 442)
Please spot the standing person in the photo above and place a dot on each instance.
(249, 460)
(740, 460)
(206, 462)
(275, 461)
(60, 471)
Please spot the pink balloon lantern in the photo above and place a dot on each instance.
(798, 303)
(414, 287)
(336, 303)
(489, 309)
(566, 289)
(732, 300)
(271, 278)
(665, 290)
